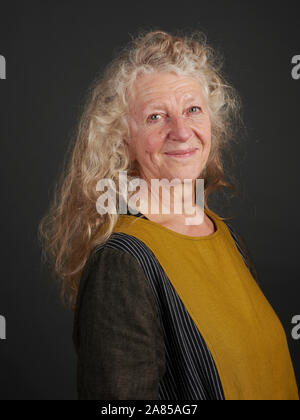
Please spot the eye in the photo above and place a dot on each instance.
(152, 117)
(194, 109)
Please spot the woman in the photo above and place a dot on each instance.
(164, 309)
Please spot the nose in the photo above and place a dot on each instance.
(179, 129)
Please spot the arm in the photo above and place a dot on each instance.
(118, 331)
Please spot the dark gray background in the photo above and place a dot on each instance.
(53, 52)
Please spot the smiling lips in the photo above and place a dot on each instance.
(182, 153)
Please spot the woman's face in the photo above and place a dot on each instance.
(168, 113)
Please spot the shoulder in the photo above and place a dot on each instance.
(111, 267)
(113, 277)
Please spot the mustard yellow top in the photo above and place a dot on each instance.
(239, 326)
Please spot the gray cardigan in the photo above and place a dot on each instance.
(117, 332)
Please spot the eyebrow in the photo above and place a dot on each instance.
(159, 104)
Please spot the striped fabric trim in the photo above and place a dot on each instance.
(235, 237)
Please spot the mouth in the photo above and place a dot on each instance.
(181, 153)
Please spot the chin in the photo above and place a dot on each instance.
(188, 174)
(182, 175)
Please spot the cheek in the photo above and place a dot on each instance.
(208, 132)
(152, 142)
(208, 126)
(205, 129)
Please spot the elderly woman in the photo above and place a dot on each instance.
(164, 309)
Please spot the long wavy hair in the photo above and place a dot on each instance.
(72, 226)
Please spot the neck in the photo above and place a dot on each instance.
(170, 203)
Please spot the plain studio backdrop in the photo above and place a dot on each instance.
(53, 51)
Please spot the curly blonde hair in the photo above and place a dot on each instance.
(72, 226)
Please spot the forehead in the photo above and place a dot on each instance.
(154, 87)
